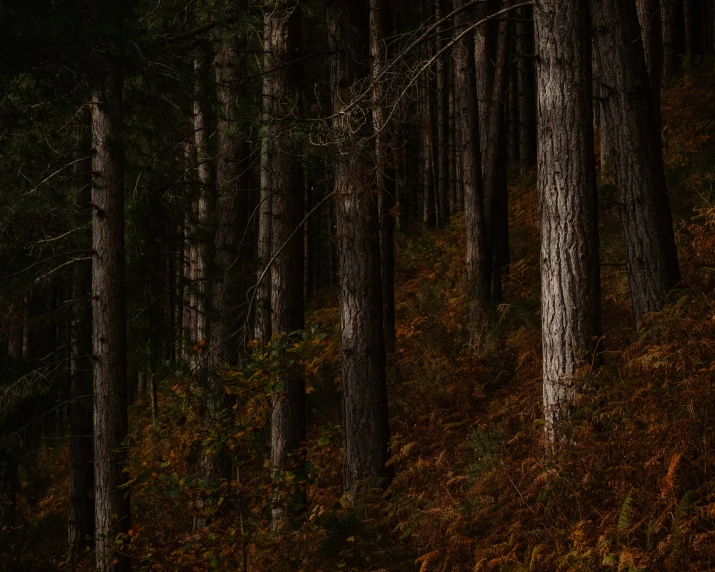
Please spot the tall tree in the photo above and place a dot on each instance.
(81, 481)
(381, 21)
(108, 319)
(526, 88)
(492, 43)
(442, 115)
(671, 12)
(652, 36)
(470, 160)
(283, 87)
(570, 282)
(628, 109)
(365, 420)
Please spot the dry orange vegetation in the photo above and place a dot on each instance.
(473, 488)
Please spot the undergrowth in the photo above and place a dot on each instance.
(474, 490)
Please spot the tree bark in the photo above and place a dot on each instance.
(381, 21)
(201, 244)
(570, 283)
(81, 481)
(442, 97)
(365, 420)
(492, 80)
(671, 12)
(652, 35)
(108, 322)
(651, 258)
(283, 87)
(470, 160)
(526, 89)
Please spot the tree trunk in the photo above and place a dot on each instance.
(262, 329)
(108, 323)
(671, 12)
(570, 282)
(81, 482)
(203, 236)
(651, 257)
(283, 87)
(381, 21)
(492, 81)
(442, 97)
(365, 420)
(470, 160)
(652, 35)
(526, 89)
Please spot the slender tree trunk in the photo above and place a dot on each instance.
(671, 12)
(203, 235)
(570, 283)
(690, 32)
(442, 97)
(381, 21)
(470, 160)
(365, 420)
(108, 323)
(651, 257)
(283, 87)
(526, 89)
(652, 35)
(262, 331)
(81, 482)
(492, 81)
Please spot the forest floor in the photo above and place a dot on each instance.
(473, 489)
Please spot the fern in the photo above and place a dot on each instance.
(624, 517)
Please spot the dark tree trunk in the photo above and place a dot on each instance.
(652, 34)
(470, 160)
(381, 21)
(671, 12)
(426, 158)
(284, 89)
(365, 420)
(526, 89)
(651, 257)
(80, 531)
(690, 28)
(442, 100)
(200, 326)
(108, 322)
(492, 80)
(262, 330)
(570, 283)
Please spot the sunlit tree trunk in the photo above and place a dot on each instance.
(570, 283)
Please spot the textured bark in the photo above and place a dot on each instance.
(80, 532)
(381, 21)
(108, 322)
(200, 244)
(526, 89)
(690, 29)
(365, 421)
(570, 283)
(426, 153)
(651, 257)
(470, 159)
(262, 329)
(284, 89)
(671, 12)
